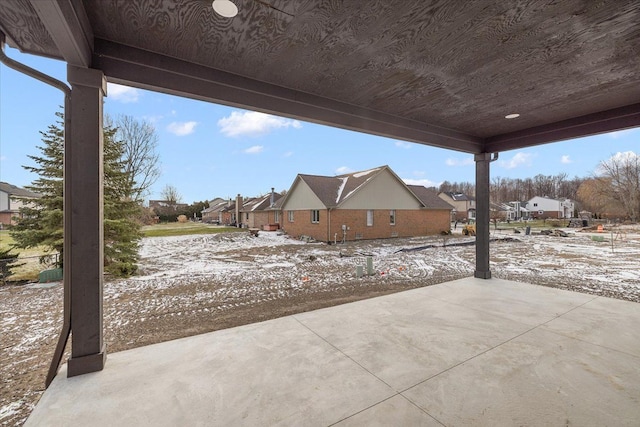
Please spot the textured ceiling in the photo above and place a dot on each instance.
(440, 72)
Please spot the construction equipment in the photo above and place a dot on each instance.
(469, 229)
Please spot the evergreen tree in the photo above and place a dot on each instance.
(42, 222)
(42, 219)
(121, 230)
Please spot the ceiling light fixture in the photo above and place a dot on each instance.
(512, 116)
(225, 8)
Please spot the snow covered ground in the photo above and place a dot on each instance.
(193, 284)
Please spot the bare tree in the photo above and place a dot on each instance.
(622, 173)
(141, 161)
(171, 195)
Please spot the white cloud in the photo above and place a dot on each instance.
(254, 150)
(403, 144)
(288, 154)
(459, 162)
(566, 160)
(620, 158)
(124, 94)
(424, 182)
(519, 159)
(153, 119)
(343, 170)
(3, 158)
(182, 128)
(252, 123)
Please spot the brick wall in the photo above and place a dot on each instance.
(409, 223)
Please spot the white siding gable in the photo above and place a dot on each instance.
(383, 191)
(301, 197)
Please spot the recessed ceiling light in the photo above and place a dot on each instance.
(512, 116)
(225, 8)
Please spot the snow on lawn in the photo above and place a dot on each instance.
(198, 279)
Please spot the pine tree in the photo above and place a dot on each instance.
(121, 229)
(42, 221)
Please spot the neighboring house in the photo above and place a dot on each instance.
(520, 211)
(260, 212)
(370, 204)
(12, 198)
(212, 214)
(545, 207)
(511, 211)
(464, 206)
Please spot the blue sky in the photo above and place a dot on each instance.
(208, 150)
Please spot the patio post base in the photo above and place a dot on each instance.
(86, 364)
(482, 274)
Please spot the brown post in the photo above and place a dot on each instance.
(84, 208)
(482, 216)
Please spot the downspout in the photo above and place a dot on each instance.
(66, 316)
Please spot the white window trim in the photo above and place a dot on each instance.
(392, 217)
(313, 212)
(290, 215)
(370, 218)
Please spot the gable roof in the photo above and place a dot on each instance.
(458, 197)
(215, 206)
(260, 203)
(429, 197)
(13, 190)
(333, 190)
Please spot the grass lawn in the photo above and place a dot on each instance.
(29, 257)
(181, 229)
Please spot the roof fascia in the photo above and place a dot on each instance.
(68, 24)
(148, 70)
(592, 124)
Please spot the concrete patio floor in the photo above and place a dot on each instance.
(467, 352)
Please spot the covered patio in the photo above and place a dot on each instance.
(468, 352)
(477, 77)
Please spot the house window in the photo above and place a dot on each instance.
(369, 218)
(247, 216)
(233, 217)
(315, 216)
(276, 217)
(290, 216)
(392, 217)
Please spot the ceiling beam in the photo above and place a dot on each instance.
(147, 70)
(577, 127)
(69, 27)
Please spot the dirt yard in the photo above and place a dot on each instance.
(194, 284)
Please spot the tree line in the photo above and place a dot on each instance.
(611, 191)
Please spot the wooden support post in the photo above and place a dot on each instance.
(482, 216)
(84, 207)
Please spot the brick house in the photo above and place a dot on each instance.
(12, 198)
(464, 205)
(212, 214)
(370, 204)
(260, 213)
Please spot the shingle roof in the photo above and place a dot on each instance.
(12, 190)
(429, 197)
(333, 190)
(458, 196)
(259, 203)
